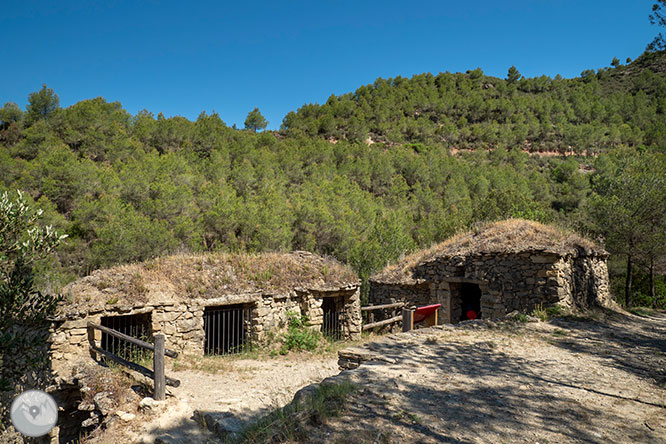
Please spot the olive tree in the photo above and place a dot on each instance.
(22, 243)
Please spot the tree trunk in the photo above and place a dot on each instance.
(627, 284)
(652, 292)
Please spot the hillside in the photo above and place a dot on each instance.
(591, 113)
(128, 188)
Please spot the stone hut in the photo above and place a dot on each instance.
(210, 303)
(498, 268)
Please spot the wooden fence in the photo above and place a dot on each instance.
(408, 317)
(371, 319)
(159, 352)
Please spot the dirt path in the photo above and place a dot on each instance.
(597, 380)
(567, 381)
(244, 388)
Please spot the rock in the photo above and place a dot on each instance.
(124, 416)
(306, 392)
(103, 403)
(86, 406)
(149, 404)
(224, 425)
(94, 419)
(352, 357)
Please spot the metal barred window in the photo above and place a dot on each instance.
(227, 329)
(333, 309)
(138, 326)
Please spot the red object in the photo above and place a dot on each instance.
(471, 314)
(423, 312)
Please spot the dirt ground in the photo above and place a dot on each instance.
(244, 387)
(569, 380)
(565, 381)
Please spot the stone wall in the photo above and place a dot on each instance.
(508, 282)
(183, 325)
(418, 295)
(384, 293)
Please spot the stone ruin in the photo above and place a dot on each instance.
(496, 269)
(207, 304)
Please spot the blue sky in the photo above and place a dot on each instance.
(180, 58)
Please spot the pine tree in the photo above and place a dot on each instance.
(255, 121)
(513, 75)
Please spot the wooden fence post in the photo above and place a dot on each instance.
(91, 340)
(158, 368)
(407, 319)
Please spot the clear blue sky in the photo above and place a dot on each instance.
(181, 58)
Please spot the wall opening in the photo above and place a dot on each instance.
(332, 324)
(138, 326)
(227, 329)
(470, 301)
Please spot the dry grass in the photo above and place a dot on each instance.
(211, 275)
(116, 382)
(508, 236)
(240, 362)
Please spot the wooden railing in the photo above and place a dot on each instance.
(371, 319)
(158, 349)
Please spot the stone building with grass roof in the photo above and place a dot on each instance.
(208, 303)
(498, 268)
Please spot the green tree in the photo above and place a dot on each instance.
(615, 62)
(42, 104)
(255, 121)
(627, 202)
(10, 113)
(23, 242)
(513, 75)
(658, 17)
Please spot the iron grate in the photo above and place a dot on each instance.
(226, 329)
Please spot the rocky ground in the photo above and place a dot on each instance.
(600, 379)
(228, 390)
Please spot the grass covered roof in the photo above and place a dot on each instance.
(210, 275)
(503, 237)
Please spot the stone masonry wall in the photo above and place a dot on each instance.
(508, 282)
(382, 293)
(183, 326)
(350, 301)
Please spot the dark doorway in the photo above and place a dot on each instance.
(138, 326)
(470, 301)
(227, 329)
(331, 326)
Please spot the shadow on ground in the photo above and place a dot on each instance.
(593, 384)
(633, 343)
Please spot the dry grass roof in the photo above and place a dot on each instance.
(504, 237)
(183, 277)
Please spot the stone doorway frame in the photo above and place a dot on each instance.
(445, 290)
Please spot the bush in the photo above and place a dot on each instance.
(540, 313)
(299, 336)
(23, 242)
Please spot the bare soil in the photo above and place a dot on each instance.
(600, 380)
(570, 380)
(243, 387)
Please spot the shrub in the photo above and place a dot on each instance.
(540, 313)
(299, 336)
(520, 317)
(554, 310)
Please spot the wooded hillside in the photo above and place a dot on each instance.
(127, 188)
